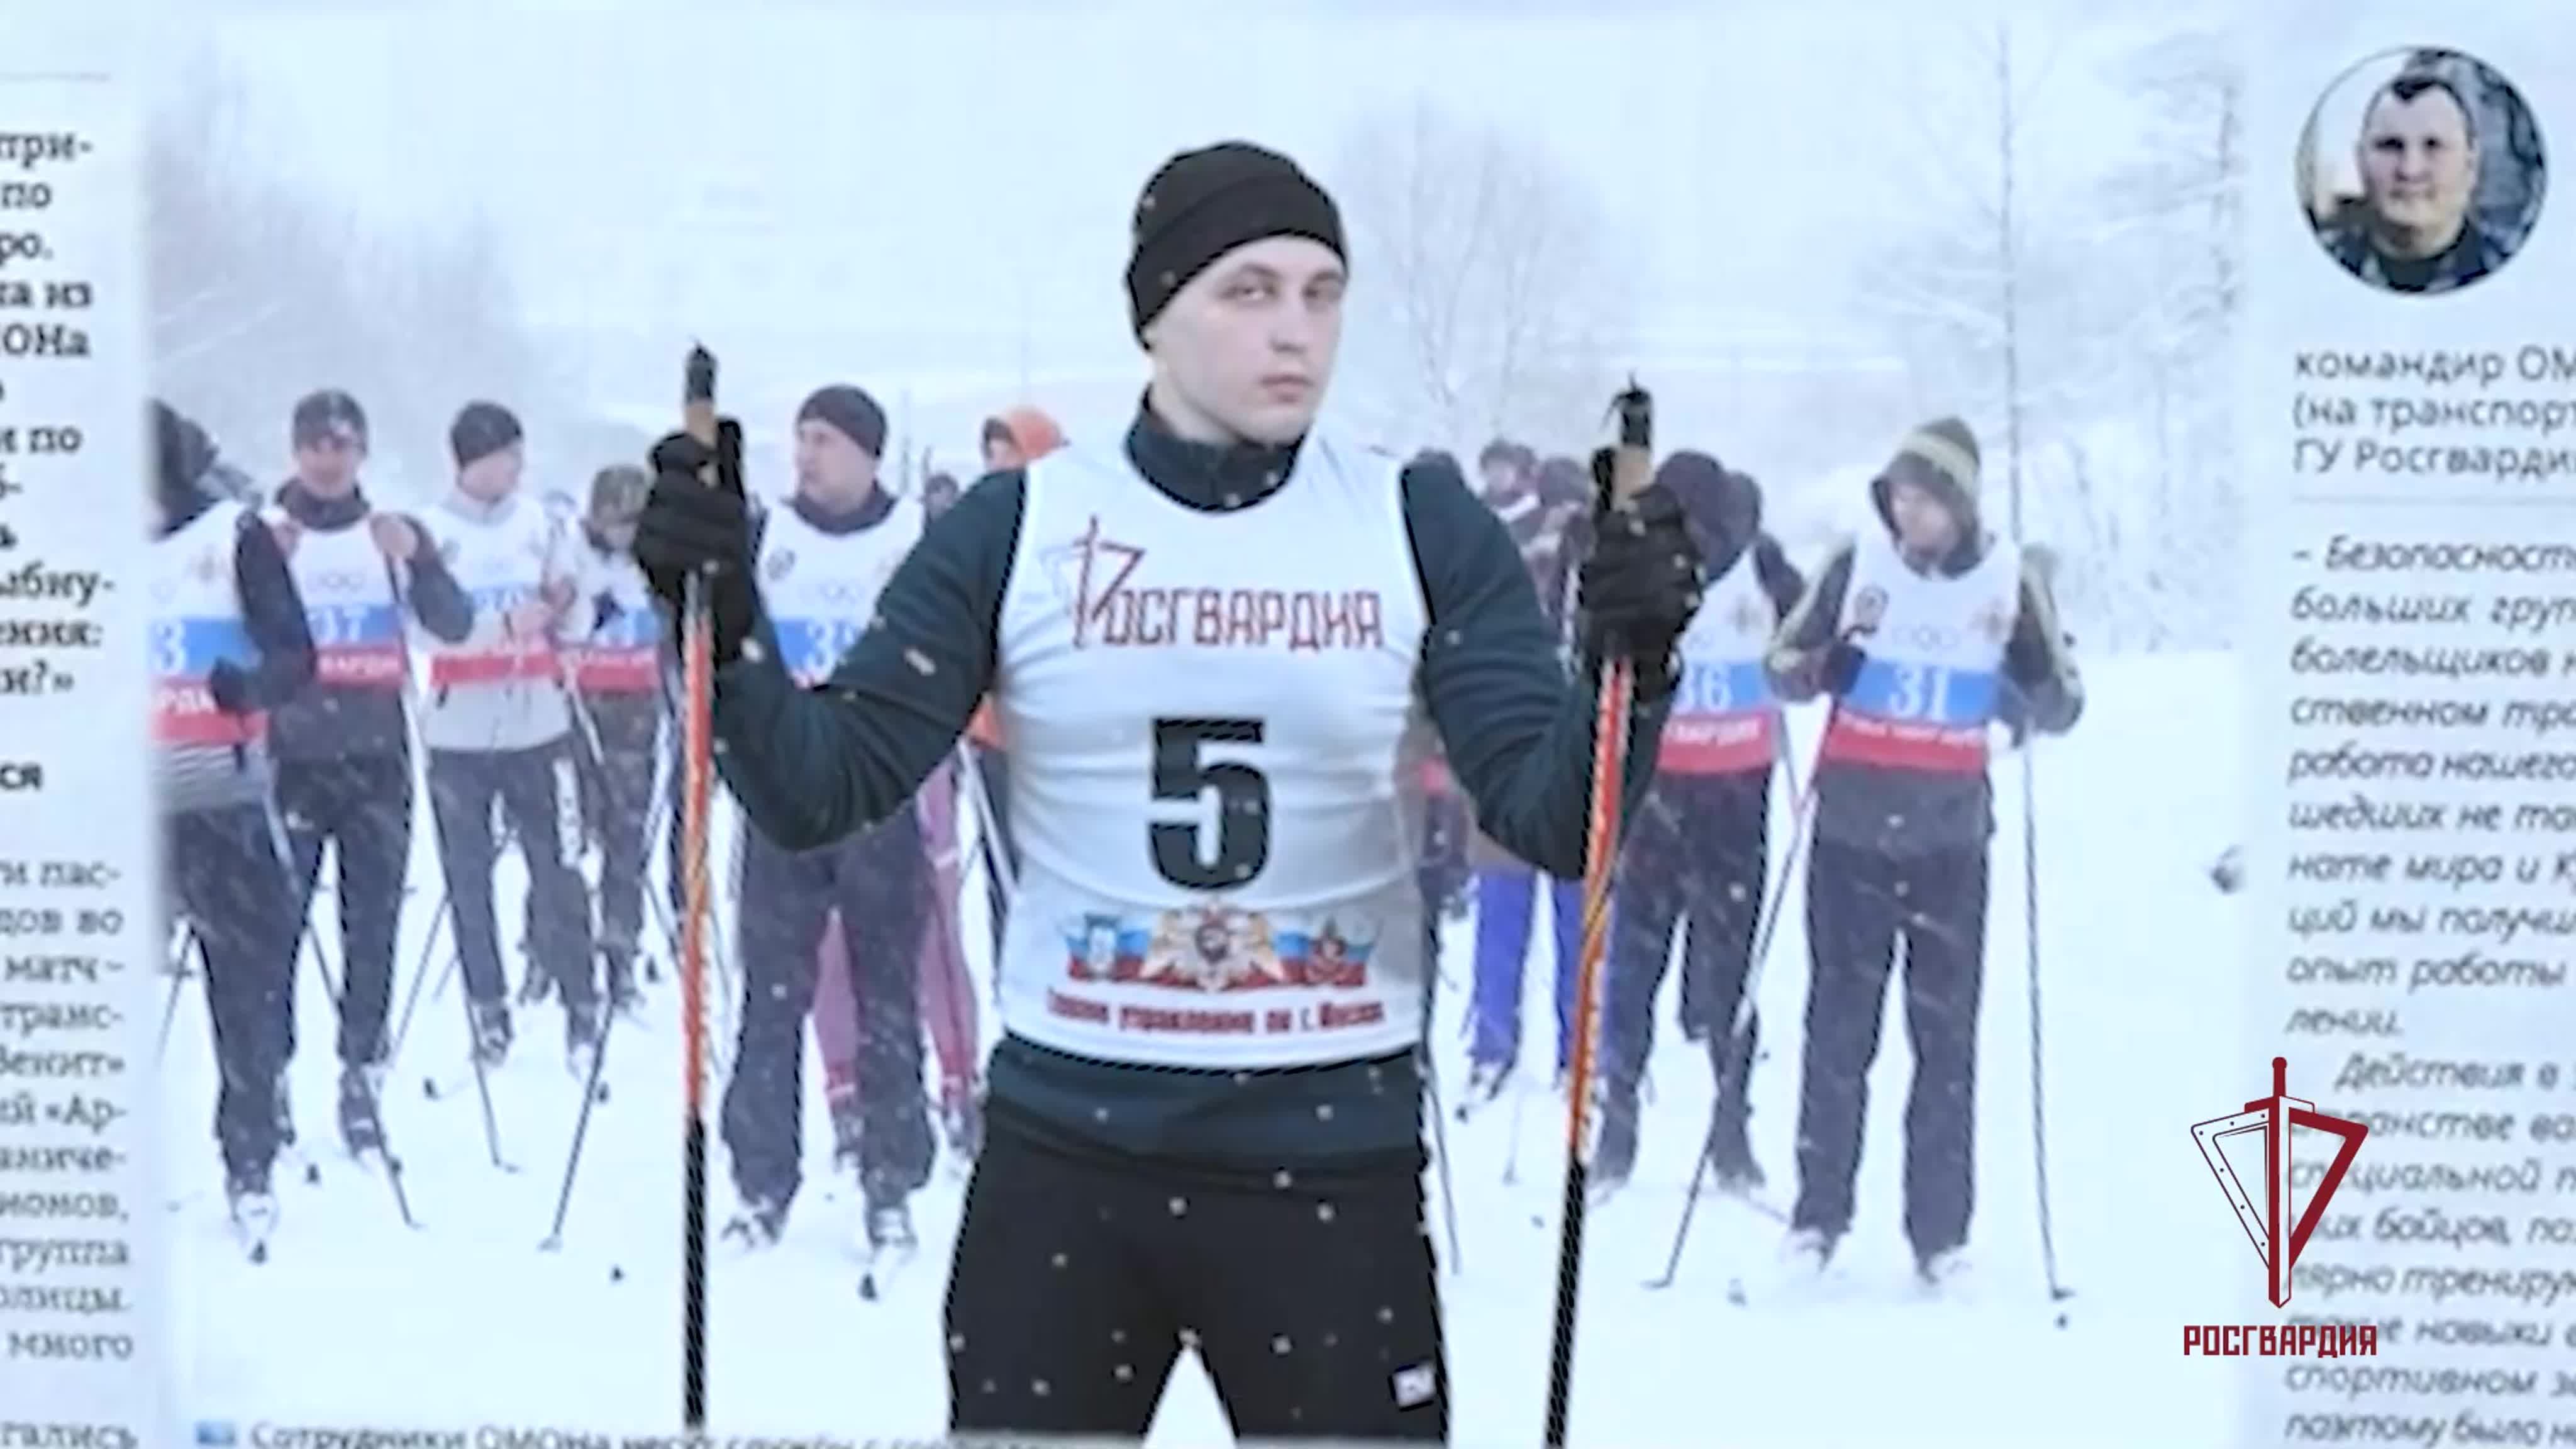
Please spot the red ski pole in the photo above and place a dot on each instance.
(1630, 468)
(723, 440)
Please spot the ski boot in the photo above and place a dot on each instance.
(889, 1248)
(253, 1210)
(584, 1029)
(1614, 1149)
(490, 1021)
(1805, 1256)
(1730, 1158)
(1941, 1274)
(362, 1127)
(1485, 1082)
(617, 968)
(961, 1124)
(1730, 1150)
(843, 1106)
(756, 1225)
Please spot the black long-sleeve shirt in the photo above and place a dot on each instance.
(339, 721)
(810, 767)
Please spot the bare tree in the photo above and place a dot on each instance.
(261, 292)
(1488, 296)
(2064, 301)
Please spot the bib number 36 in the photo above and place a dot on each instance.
(1183, 774)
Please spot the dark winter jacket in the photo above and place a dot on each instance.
(341, 721)
(812, 766)
(188, 479)
(1896, 811)
(2467, 259)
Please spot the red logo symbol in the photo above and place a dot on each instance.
(2280, 1234)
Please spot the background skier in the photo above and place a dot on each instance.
(1916, 629)
(500, 729)
(1698, 856)
(344, 750)
(229, 643)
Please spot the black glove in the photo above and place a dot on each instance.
(691, 528)
(1640, 582)
(229, 683)
(1840, 669)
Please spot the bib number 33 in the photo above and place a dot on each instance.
(1183, 774)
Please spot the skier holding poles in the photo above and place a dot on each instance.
(1925, 631)
(229, 644)
(1205, 1112)
(1699, 855)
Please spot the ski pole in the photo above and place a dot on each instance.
(1801, 820)
(2058, 1292)
(1621, 473)
(722, 439)
(580, 1134)
(473, 1045)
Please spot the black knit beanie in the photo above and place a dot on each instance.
(850, 412)
(1202, 204)
(480, 430)
(328, 415)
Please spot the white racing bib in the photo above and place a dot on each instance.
(349, 606)
(820, 589)
(1724, 719)
(1936, 651)
(1216, 765)
(501, 565)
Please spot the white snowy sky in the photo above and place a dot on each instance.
(946, 186)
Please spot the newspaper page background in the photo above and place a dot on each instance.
(2411, 436)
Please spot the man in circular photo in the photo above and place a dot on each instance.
(2411, 216)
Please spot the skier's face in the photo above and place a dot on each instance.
(2417, 164)
(493, 476)
(1925, 527)
(1246, 349)
(831, 468)
(327, 465)
(1001, 453)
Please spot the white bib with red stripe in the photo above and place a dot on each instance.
(1936, 652)
(501, 565)
(349, 605)
(623, 655)
(1723, 715)
(196, 624)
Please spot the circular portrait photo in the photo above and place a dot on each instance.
(2421, 171)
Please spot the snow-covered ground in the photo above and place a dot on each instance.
(359, 1321)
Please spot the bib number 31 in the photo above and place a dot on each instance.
(1183, 775)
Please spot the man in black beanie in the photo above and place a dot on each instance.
(822, 559)
(499, 727)
(1212, 644)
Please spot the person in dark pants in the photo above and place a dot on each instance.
(1925, 632)
(823, 558)
(1204, 1120)
(500, 728)
(229, 644)
(619, 672)
(344, 754)
(1700, 850)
